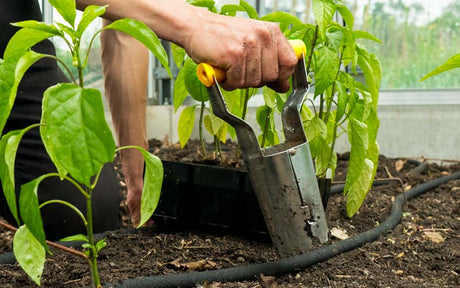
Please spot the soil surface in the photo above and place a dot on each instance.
(422, 251)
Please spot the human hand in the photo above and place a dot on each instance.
(253, 53)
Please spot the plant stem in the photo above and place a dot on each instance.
(200, 128)
(313, 43)
(65, 67)
(329, 105)
(218, 149)
(92, 249)
(245, 103)
(321, 106)
(75, 209)
(267, 122)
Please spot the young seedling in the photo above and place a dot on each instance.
(73, 130)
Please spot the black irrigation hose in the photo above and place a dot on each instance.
(287, 265)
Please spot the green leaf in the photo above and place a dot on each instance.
(75, 132)
(29, 253)
(11, 72)
(263, 114)
(365, 35)
(271, 138)
(280, 100)
(269, 97)
(7, 172)
(194, 87)
(145, 35)
(214, 125)
(323, 155)
(68, 30)
(178, 54)
(367, 65)
(100, 245)
(9, 144)
(336, 37)
(358, 191)
(36, 25)
(89, 15)
(67, 9)
(209, 4)
(186, 123)
(180, 92)
(284, 19)
(153, 180)
(323, 11)
(22, 41)
(342, 100)
(327, 66)
(373, 152)
(30, 210)
(346, 15)
(77, 237)
(358, 138)
(231, 9)
(451, 63)
(252, 13)
(222, 132)
(208, 125)
(315, 127)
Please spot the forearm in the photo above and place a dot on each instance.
(171, 20)
(125, 69)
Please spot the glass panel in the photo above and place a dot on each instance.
(417, 36)
(92, 74)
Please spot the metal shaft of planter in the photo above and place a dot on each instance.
(283, 176)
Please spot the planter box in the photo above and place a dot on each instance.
(209, 198)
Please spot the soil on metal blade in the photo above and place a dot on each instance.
(422, 251)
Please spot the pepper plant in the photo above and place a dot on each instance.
(73, 129)
(451, 63)
(340, 104)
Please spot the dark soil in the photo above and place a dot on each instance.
(422, 251)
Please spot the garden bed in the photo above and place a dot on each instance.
(422, 251)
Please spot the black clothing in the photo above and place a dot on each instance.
(32, 160)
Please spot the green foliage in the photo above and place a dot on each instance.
(29, 253)
(73, 130)
(186, 123)
(152, 186)
(451, 63)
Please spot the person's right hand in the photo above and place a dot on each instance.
(253, 53)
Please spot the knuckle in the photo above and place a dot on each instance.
(272, 75)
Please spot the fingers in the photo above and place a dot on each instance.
(253, 53)
(287, 62)
(266, 58)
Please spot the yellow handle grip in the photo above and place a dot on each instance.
(207, 73)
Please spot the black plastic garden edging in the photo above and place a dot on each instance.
(291, 264)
